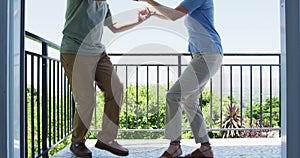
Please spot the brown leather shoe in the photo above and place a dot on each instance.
(113, 147)
(80, 150)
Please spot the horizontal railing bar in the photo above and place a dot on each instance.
(188, 54)
(250, 64)
(40, 55)
(186, 130)
(252, 54)
(149, 54)
(34, 54)
(244, 129)
(148, 65)
(187, 64)
(34, 37)
(37, 38)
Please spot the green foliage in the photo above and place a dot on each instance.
(210, 108)
(187, 135)
(143, 113)
(156, 114)
(139, 107)
(32, 128)
(148, 112)
(35, 125)
(266, 111)
(141, 135)
(205, 97)
(60, 146)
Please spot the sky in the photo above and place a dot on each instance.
(244, 25)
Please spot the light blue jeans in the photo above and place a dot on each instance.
(186, 92)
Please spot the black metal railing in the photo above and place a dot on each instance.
(49, 103)
(254, 88)
(243, 85)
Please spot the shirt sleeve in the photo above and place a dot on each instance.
(192, 5)
(108, 19)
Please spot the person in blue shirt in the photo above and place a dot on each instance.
(206, 49)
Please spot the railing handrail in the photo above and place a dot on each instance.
(42, 40)
(208, 129)
(56, 46)
(188, 54)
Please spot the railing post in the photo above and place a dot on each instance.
(4, 147)
(290, 39)
(179, 65)
(44, 98)
(23, 87)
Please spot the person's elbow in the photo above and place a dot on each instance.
(114, 29)
(180, 11)
(176, 17)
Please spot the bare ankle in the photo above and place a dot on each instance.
(205, 143)
(174, 147)
(205, 146)
(175, 142)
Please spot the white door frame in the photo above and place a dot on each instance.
(11, 65)
(290, 78)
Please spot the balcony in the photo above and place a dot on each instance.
(252, 88)
(223, 148)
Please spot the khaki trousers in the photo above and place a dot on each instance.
(83, 72)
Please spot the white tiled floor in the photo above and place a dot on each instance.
(223, 148)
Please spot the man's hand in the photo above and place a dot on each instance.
(142, 0)
(165, 12)
(145, 14)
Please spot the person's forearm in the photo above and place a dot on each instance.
(161, 16)
(116, 28)
(168, 12)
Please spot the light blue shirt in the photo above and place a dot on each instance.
(203, 36)
(83, 28)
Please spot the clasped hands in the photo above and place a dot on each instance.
(144, 14)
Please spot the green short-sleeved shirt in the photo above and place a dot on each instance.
(83, 28)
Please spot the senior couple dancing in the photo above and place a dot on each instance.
(85, 63)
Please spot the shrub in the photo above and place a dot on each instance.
(265, 121)
(232, 121)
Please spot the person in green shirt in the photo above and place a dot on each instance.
(85, 63)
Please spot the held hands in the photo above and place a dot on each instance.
(144, 14)
(142, 0)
